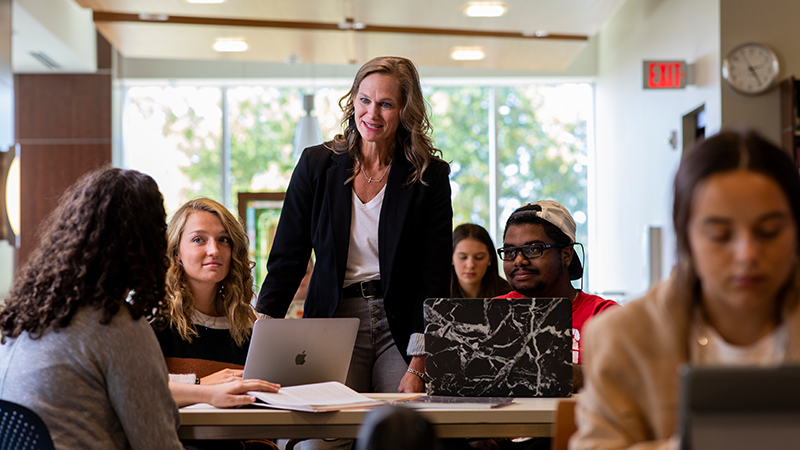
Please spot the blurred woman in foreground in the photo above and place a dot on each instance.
(732, 299)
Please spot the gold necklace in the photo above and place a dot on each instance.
(370, 179)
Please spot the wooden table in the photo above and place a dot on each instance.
(526, 417)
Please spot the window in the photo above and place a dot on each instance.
(508, 144)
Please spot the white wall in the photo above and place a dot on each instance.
(60, 29)
(630, 187)
(6, 130)
(770, 22)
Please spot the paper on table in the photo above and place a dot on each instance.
(330, 396)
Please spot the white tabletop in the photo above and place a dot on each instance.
(525, 417)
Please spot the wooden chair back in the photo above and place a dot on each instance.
(564, 424)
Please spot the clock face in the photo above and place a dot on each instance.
(750, 68)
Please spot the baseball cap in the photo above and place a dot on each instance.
(553, 212)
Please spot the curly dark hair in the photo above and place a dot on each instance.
(104, 246)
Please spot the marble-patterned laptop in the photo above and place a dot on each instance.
(498, 347)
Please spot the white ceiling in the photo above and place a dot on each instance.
(179, 41)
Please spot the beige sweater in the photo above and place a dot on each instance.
(630, 366)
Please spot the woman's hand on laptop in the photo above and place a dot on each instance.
(234, 393)
(223, 376)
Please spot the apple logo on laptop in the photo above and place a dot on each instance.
(300, 359)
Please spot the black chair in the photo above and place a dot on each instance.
(396, 428)
(22, 429)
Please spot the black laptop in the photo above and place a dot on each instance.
(498, 347)
(736, 408)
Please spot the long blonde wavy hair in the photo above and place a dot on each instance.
(235, 290)
(413, 134)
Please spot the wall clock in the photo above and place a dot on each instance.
(750, 68)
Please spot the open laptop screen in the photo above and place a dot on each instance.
(301, 351)
(735, 407)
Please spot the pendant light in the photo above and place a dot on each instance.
(307, 132)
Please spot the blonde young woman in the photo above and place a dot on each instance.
(209, 317)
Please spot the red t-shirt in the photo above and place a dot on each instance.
(583, 308)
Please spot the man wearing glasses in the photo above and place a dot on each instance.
(539, 260)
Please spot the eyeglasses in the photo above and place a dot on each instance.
(529, 251)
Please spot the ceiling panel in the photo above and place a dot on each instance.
(559, 16)
(179, 41)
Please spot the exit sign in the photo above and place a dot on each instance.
(664, 74)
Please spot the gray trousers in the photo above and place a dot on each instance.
(376, 366)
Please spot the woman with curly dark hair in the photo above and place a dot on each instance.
(209, 316)
(75, 327)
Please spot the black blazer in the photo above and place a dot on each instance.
(414, 238)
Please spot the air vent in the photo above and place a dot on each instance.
(44, 59)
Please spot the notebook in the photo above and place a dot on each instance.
(498, 347)
(736, 408)
(301, 351)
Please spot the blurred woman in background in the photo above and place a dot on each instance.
(474, 272)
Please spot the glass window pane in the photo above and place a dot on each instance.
(174, 135)
(542, 148)
(459, 116)
(262, 125)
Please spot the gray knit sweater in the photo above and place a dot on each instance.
(95, 386)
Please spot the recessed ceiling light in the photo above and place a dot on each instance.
(483, 9)
(205, 1)
(230, 45)
(467, 53)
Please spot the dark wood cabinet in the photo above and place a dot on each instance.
(790, 120)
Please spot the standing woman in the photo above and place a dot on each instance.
(733, 299)
(209, 316)
(77, 347)
(374, 204)
(474, 273)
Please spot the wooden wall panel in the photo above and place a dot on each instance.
(63, 126)
(63, 107)
(47, 171)
(104, 51)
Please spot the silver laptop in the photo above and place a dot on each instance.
(301, 351)
(737, 408)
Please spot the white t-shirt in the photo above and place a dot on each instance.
(708, 347)
(363, 263)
